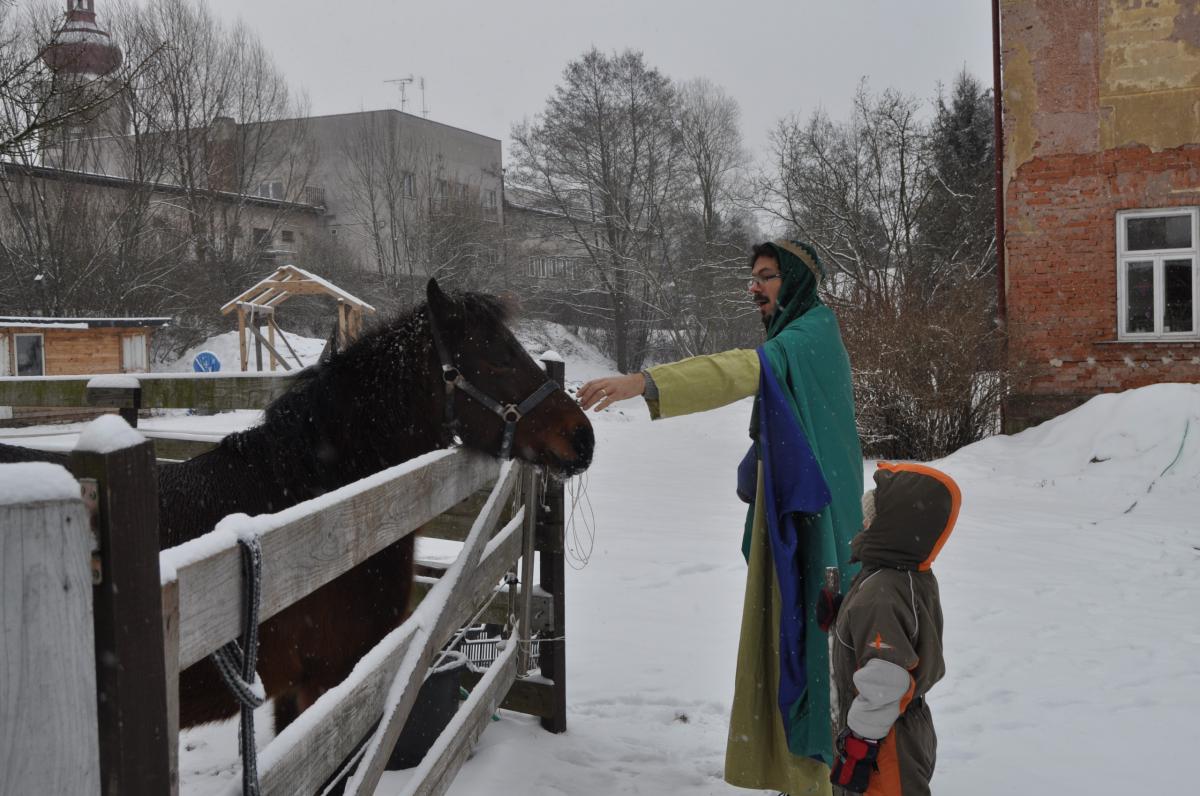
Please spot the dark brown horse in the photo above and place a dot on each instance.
(378, 403)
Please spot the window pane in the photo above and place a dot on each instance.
(1139, 296)
(1158, 232)
(1177, 278)
(29, 355)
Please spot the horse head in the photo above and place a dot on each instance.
(499, 400)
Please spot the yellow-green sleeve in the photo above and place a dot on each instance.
(700, 383)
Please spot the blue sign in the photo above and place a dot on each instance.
(206, 362)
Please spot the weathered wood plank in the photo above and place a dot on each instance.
(170, 626)
(131, 682)
(159, 391)
(532, 697)
(454, 524)
(438, 769)
(305, 551)
(552, 578)
(179, 449)
(48, 732)
(307, 753)
(455, 586)
(541, 615)
(295, 287)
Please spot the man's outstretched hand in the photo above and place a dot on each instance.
(602, 393)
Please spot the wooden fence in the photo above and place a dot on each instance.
(187, 602)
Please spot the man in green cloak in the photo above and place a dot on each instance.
(803, 478)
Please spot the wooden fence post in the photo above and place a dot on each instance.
(130, 671)
(549, 538)
(48, 733)
(123, 392)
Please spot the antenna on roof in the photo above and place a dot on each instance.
(424, 107)
(402, 83)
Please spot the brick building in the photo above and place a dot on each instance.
(1101, 178)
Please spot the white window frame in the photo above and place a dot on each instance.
(271, 189)
(1158, 257)
(16, 364)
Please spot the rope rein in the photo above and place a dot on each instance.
(236, 663)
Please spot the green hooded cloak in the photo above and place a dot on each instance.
(805, 352)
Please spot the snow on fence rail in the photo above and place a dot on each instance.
(189, 605)
(130, 393)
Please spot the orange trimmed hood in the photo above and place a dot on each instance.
(916, 508)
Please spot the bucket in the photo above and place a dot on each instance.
(437, 702)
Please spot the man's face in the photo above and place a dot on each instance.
(765, 283)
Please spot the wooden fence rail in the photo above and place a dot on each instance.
(214, 391)
(193, 607)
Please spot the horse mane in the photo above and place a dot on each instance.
(365, 409)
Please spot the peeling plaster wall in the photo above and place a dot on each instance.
(1150, 73)
(1084, 76)
(1051, 59)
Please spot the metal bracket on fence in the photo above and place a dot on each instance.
(89, 490)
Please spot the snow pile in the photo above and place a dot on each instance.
(1069, 592)
(225, 346)
(584, 360)
(33, 482)
(114, 381)
(106, 434)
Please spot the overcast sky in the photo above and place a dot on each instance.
(488, 64)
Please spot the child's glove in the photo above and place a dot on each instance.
(855, 762)
(828, 603)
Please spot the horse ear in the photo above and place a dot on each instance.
(438, 301)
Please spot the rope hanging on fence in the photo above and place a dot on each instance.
(579, 532)
(236, 663)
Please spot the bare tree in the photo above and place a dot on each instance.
(698, 288)
(927, 358)
(35, 99)
(148, 207)
(604, 159)
(417, 216)
(856, 190)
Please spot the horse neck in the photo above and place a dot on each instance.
(370, 431)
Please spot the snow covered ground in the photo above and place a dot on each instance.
(1070, 590)
(225, 347)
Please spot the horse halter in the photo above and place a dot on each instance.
(453, 379)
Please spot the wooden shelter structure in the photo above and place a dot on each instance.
(259, 303)
(44, 346)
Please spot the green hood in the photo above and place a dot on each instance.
(802, 275)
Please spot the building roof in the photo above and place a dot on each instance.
(109, 181)
(43, 322)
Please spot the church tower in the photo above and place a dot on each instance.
(82, 57)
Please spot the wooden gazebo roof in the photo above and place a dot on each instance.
(285, 282)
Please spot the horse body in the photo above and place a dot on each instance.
(373, 406)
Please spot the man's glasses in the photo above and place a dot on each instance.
(761, 280)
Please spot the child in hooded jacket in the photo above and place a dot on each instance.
(887, 647)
